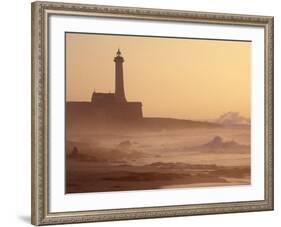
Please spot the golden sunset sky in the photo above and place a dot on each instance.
(172, 77)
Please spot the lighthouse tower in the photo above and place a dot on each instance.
(119, 82)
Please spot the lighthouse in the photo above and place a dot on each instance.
(106, 107)
(119, 81)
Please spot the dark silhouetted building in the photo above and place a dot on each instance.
(106, 106)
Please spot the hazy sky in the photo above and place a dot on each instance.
(179, 78)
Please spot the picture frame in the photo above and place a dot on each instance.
(42, 97)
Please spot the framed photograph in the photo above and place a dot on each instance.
(149, 113)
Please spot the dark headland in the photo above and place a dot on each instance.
(146, 124)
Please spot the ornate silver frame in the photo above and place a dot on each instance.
(40, 192)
